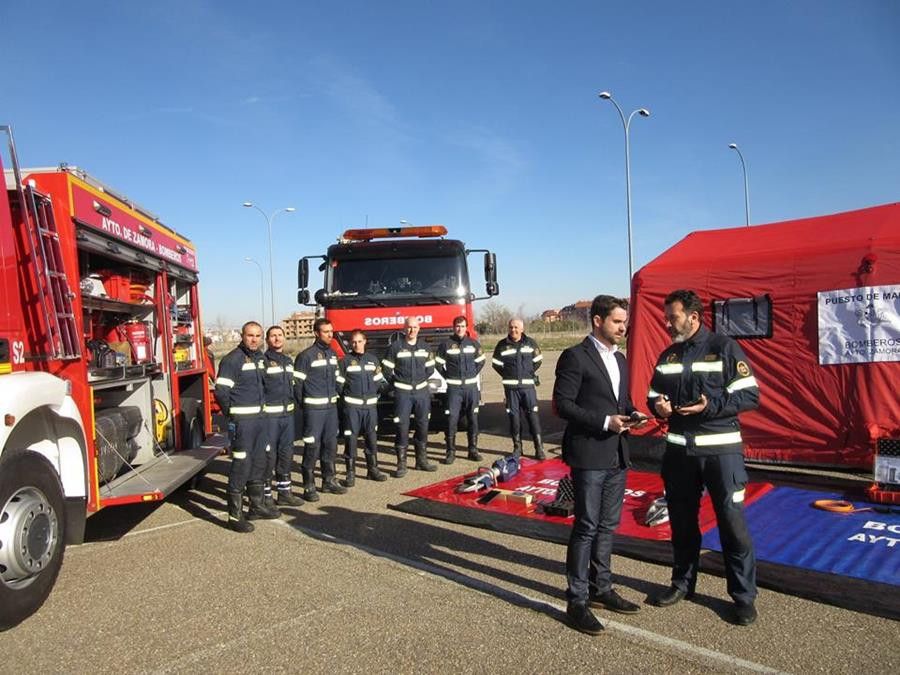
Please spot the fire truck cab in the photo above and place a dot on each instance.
(103, 390)
(375, 278)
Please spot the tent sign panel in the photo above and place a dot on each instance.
(859, 325)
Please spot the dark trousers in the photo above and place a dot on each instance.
(463, 399)
(248, 452)
(417, 403)
(520, 401)
(320, 432)
(598, 508)
(281, 446)
(360, 419)
(725, 479)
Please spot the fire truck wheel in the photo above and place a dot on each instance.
(194, 433)
(32, 534)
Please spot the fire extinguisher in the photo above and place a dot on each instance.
(137, 334)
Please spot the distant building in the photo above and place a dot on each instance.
(298, 325)
(580, 311)
(550, 315)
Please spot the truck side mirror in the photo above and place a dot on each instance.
(303, 273)
(490, 274)
(303, 296)
(490, 267)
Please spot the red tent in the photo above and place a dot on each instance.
(813, 411)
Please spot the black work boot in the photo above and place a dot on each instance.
(517, 445)
(473, 454)
(268, 500)
(372, 471)
(283, 493)
(422, 463)
(329, 484)
(236, 520)
(401, 463)
(539, 453)
(258, 509)
(450, 457)
(309, 486)
(350, 479)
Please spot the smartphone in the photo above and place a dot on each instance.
(635, 418)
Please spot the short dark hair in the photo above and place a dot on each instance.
(250, 323)
(319, 323)
(271, 328)
(603, 305)
(460, 319)
(357, 331)
(689, 300)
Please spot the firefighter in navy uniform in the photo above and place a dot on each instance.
(407, 367)
(361, 381)
(700, 384)
(459, 360)
(240, 392)
(516, 358)
(316, 385)
(279, 410)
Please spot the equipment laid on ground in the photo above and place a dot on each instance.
(87, 359)
(658, 513)
(484, 478)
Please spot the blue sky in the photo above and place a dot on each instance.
(479, 115)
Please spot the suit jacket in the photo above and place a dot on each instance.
(583, 396)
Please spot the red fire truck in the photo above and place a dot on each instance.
(103, 390)
(375, 278)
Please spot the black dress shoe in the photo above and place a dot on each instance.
(582, 618)
(670, 596)
(614, 603)
(744, 614)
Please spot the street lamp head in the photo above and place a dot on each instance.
(604, 95)
(248, 204)
(290, 209)
(643, 112)
(733, 146)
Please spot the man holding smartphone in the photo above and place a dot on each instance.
(700, 384)
(591, 394)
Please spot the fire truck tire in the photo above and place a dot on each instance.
(194, 436)
(32, 534)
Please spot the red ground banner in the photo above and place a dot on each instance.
(540, 480)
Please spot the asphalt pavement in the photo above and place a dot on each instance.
(349, 585)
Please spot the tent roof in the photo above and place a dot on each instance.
(876, 226)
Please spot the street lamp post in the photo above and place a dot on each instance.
(269, 220)
(626, 124)
(734, 147)
(262, 285)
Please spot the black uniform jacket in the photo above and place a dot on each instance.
(583, 396)
(713, 365)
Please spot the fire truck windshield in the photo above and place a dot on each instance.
(418, 280)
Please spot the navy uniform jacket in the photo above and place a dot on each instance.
(279, 383)
(516, 362)
(460, 361)
(583, 396)
(315, 376)
(360, 378)
(407, 367)
(240, 390)
(713, 365)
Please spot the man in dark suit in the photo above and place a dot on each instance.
(591, 394)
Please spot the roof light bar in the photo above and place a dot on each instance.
(420, 231)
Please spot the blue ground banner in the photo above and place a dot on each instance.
(788, 530)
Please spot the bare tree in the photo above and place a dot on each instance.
(494, 317)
